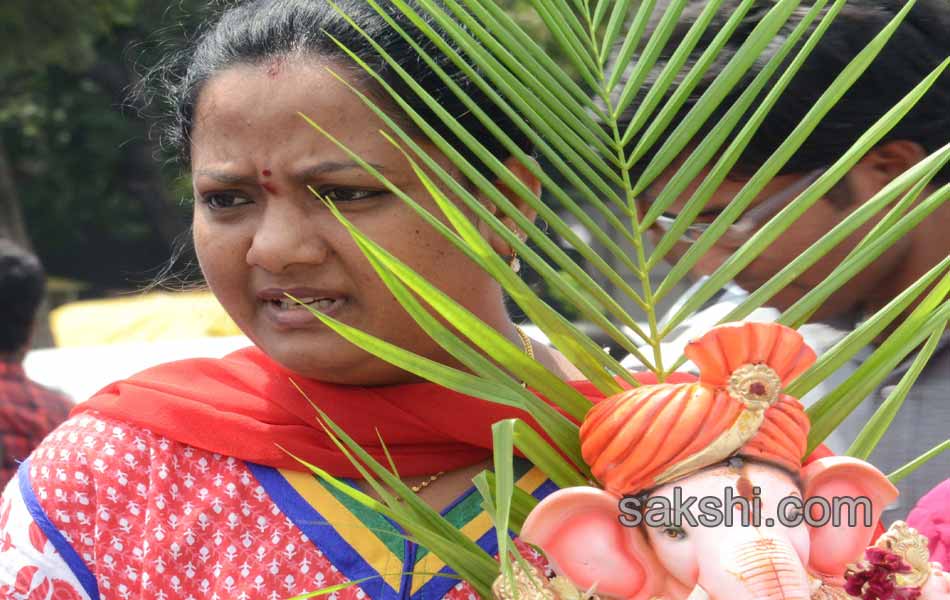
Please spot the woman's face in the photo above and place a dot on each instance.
(259, 232)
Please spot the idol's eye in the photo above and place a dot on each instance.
(348, 194)
(223, 200)
(674, 533)
(793, 513)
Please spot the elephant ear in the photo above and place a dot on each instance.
(580, 533)
(834, 547)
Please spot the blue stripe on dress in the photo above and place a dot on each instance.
(347, 560)
(440, 586)
(69, 555)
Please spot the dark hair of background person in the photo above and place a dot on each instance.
(257, 31)
(917, 47)
(22, 285)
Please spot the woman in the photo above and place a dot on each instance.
(171, 484)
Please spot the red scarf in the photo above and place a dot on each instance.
(244, 405)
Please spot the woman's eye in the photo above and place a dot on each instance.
(348, 194)
(674, 533)
(222, 201)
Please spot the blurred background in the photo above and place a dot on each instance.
(84, 185)
(80, 178)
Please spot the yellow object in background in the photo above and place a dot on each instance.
(141, 318)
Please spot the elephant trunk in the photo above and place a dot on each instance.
(765, 569)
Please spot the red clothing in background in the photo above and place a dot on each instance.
(28, 412)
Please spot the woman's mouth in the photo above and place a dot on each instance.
(291, 309)
(320, 304)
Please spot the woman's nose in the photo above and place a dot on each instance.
(287, 234)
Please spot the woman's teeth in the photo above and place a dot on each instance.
(317, 303)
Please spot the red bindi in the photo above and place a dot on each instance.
(266, 173)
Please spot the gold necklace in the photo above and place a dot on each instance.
(424, 484)
(528, 347)
(419, 487)
(525, 342)
(529, 350)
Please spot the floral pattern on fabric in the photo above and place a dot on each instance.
(30, 567)
(153, 518)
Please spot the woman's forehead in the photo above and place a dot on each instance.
(249, 109)
(246, 94)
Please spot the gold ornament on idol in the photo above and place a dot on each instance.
(904, 541)
(535, 586)
(757, 387)
(913, 550)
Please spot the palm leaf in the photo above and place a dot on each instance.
(864, 334)
(724, 83)
(918, 462)
(521, 501)
(708, 148)
(503, 451)
(768, 234)
(593, 123)
(415, 516)
(544, 211)
(930, 316)
(875, 429)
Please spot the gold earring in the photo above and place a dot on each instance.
(514, 262)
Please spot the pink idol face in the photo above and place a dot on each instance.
(260, 232)
(684, 548)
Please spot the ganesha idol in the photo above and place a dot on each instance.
(731, 432)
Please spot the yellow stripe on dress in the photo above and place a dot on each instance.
(356, 534)
(474, 529)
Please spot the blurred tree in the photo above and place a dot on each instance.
(78, 164)
(11, 218)
(33, 36)
(90, 183)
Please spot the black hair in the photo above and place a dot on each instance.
(919, 45)
(255, 31)
(22, 285)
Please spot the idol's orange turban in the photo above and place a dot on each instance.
(653, 434)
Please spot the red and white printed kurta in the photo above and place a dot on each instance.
(106, 510)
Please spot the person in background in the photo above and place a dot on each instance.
(28, 411)
(917, 47)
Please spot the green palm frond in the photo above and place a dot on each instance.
(915, 464)
(593, 120)
(874, 430)
(929, 317)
